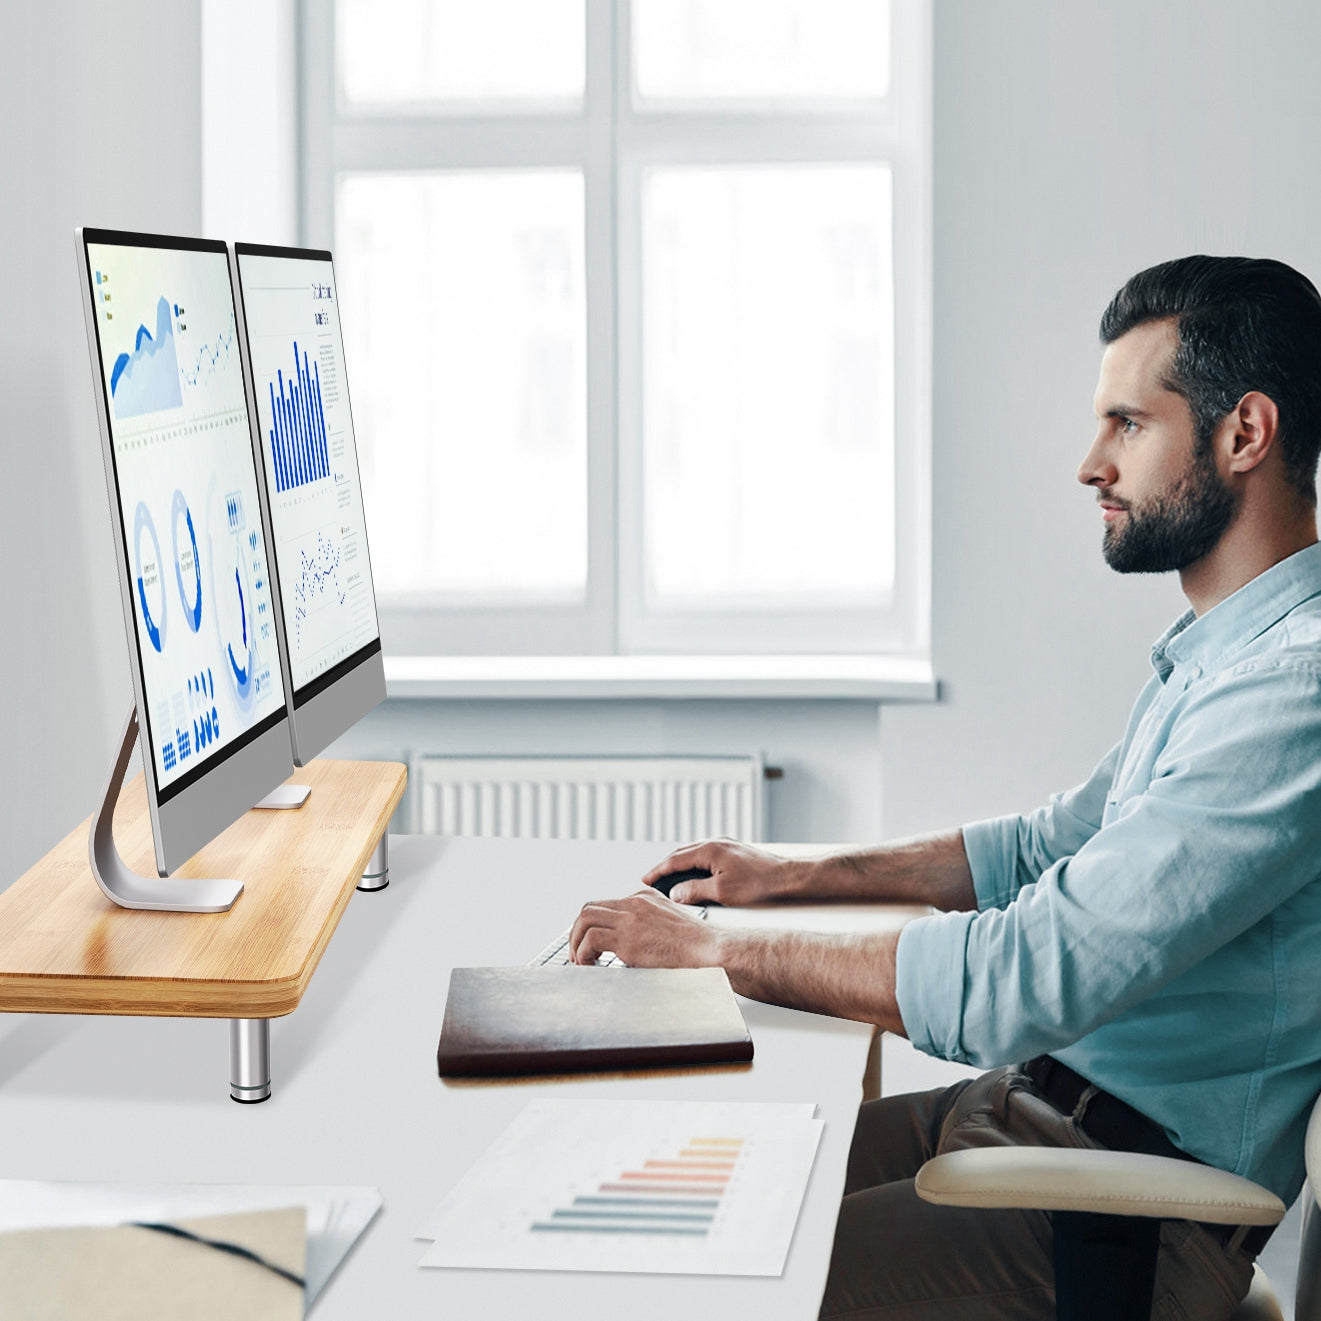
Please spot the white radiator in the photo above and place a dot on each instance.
(653, 798)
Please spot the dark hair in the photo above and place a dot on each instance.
(1243, 323)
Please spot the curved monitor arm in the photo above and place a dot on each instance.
(126, 888)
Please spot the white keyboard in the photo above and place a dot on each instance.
(557, 952)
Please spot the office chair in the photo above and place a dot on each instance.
(1107, 1207)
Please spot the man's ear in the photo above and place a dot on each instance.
(1248, 432)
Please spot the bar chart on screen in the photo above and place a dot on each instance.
(291, 316)
(299, 446)
(672, 1187)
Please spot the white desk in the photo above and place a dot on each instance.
(357, 1100)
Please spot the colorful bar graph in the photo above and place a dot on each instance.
(640, 1187)
(300, 449)
(690, 1177)
(689, 1164)
(554, 1226)
(554, 1194)
(673, 1195)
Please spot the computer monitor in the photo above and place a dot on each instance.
(189, 542)
(326, 604)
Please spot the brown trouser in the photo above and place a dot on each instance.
(899, 1258)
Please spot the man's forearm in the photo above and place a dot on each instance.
(927, 869)
(844, 976)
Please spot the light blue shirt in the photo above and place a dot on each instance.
(1158, 928)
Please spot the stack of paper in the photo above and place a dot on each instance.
(679, 1187)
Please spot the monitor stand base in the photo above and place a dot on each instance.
(125, 887)
(285, 796)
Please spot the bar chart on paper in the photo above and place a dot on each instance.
(677, 1187)
(679, 1193)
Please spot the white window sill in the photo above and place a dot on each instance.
(860, 678)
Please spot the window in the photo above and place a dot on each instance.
(637, 307)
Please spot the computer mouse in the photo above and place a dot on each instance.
(664, 884)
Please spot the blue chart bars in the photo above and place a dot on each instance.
(299, 450)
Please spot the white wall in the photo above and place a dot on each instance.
(1074, 144)
(100, 110)
(249, 121)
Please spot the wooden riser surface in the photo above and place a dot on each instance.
(65, 948)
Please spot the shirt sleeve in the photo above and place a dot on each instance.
(1228, 828)
(1009, 852)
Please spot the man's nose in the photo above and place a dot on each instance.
(1097, 469)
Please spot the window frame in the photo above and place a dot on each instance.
(613, 144)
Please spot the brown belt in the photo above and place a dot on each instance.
(1116, 1125)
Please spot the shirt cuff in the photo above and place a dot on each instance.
(929, 982)
(992, 849)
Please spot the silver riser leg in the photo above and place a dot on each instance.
(377, 875)
(249, 1059)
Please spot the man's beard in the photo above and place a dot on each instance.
(1171, 531)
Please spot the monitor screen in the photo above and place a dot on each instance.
(180, 453)
(318, 531)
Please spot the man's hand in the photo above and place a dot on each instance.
(740, 874)
(847, 976)
(645, 930)
(926, 869)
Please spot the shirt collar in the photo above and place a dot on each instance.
(1240, 617)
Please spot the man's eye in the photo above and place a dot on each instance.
(1127, 425)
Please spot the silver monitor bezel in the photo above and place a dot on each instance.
(333, 702)
(186, 815)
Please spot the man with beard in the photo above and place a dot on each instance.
(1149, 942)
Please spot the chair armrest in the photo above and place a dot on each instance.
(1111, 1182)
